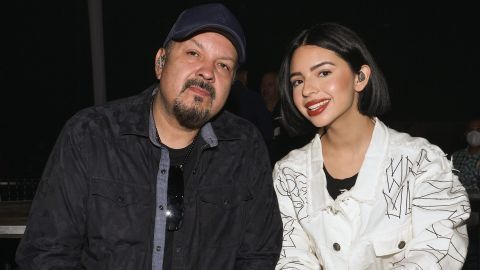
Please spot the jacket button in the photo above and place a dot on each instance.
(158, 248)
(160, 206)
(163, 171)
(120, 199)
(401, 244)
(336, 246)
(226, 202)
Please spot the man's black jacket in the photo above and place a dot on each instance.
(95, 205)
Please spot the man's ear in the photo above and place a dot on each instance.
(160, 62)
(362, 78)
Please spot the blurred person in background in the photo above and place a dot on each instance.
(248, 104)
(467, 160)
(282, 142)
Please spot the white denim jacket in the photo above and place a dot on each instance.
(407, 210)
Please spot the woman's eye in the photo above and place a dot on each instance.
(296, 83)
(324, 73)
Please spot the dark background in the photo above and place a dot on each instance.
(428, 53)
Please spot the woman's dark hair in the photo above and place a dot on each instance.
(374, 100)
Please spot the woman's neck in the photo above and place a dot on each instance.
(349, 134)
(344, 146)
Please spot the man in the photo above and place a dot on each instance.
(282, 142)
(248, 104)
(269, 91)
(271, 98)
(161, 180)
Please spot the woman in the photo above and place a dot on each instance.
(360, 195)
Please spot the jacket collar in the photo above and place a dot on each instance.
(134, 113)
(368, 178)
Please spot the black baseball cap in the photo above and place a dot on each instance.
(213, 17)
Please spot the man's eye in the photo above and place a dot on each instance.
(192, 53)
(224, 66)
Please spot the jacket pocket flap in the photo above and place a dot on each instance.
(392, 242)
(226, 196)
(120, 193)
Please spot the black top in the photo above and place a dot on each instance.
(177, 157)
(336, 186)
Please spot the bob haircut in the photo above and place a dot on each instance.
(374, 100)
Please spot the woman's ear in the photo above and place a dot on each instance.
(160, 62)
(362, 78)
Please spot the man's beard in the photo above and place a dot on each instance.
(194, 117)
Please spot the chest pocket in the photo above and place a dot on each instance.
(391, 245)
(222, 214)
(116, 207)
(119, 194)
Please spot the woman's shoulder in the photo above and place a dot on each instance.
(405, 141)
(403, 146)
(298, 155)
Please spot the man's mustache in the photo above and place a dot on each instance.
(202, 84)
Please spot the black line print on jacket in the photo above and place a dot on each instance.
(293, 185)
(292, 265)
(429, 196)
(397, 192)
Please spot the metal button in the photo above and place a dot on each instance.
(161, 207)
(163, 171)
(401, 244)
(336, 246)
(158, 248)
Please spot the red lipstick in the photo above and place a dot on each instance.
(317, 106)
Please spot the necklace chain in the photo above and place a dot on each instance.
(189, 150)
